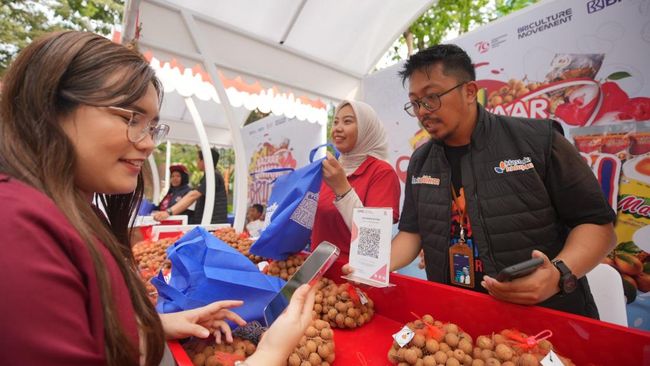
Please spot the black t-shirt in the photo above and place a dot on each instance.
(219, 212)
(454, 155)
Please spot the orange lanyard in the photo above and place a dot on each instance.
(461, 213)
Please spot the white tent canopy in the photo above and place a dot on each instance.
(298, 54)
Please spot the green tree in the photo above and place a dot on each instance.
(21, 21)
(452, 17)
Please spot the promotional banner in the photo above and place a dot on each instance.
(275, 146)
(584, 63)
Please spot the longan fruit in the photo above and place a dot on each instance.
(306, 363)
(315, 359)
(331, 300)
(340, 307)
(311, 346)
(311, 331)
(392, 355)
(212, 361)
(410, 356)
(492, 362)
(324, 350)
(451, 328)
(459, 354)
(303, 352)
(294, 360)
(320, 324)
(452, 362)
(478, 362)
(484, 342)
(503, 352)
(419, 340)
(451, 339)
(441, 357)
(432, 346)
(427, 319)
(465, 345)
(326, 333)
(444, 347)
(199, 359)
(429, 360)
(508, 363)
(527, 359)
(486, 354)
(350, 323)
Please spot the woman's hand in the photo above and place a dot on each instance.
(284, 334)
(334, 175)
(203, 321)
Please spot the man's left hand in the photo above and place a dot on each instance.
(529, 290)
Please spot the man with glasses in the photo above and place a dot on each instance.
(490, 191)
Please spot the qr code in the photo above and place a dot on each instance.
(368, 242)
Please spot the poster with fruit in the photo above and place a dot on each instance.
(275, 145)
(583, 63)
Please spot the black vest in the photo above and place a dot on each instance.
(508, 204)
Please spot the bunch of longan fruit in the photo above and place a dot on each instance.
(500, 350)
(434, 343)
(316, 348)
(286, 268)
(514, 90)
(150, 258)
(342, 306)
(205, 352)
(238, 241)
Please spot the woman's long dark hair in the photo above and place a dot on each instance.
(49, 79)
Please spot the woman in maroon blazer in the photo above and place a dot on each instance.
(78, 119)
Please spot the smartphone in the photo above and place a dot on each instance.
(311, 270)
(519, 270)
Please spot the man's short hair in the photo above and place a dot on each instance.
(454, 60)
(259, 208)
(215, 155)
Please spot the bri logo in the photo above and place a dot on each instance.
(426, 179)
(598, 5)
(507, 166)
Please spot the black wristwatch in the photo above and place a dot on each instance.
(568, 281)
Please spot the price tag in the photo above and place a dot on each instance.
(551, 359)
(370, 246)
(404, 336)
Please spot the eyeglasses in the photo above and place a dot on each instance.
(431, 102)
(139, 127)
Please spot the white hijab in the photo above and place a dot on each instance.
(371, 136)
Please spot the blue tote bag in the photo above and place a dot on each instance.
(291, 209)
(205, 269)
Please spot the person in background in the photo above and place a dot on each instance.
(179, 179)
(79, 115)
(255, 224)
(219, 212)
(360, 178)
(492, 191)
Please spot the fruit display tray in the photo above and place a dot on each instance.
(585, 341)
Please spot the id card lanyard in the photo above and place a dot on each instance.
(461, 256)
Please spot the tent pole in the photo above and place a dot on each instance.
(241, 176)
(207, 160)
(155, 177)
(168, 159)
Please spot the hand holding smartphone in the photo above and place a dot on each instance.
(519, 270)
(312, 269)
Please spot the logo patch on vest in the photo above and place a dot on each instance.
(508, 166)
(425, 179)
